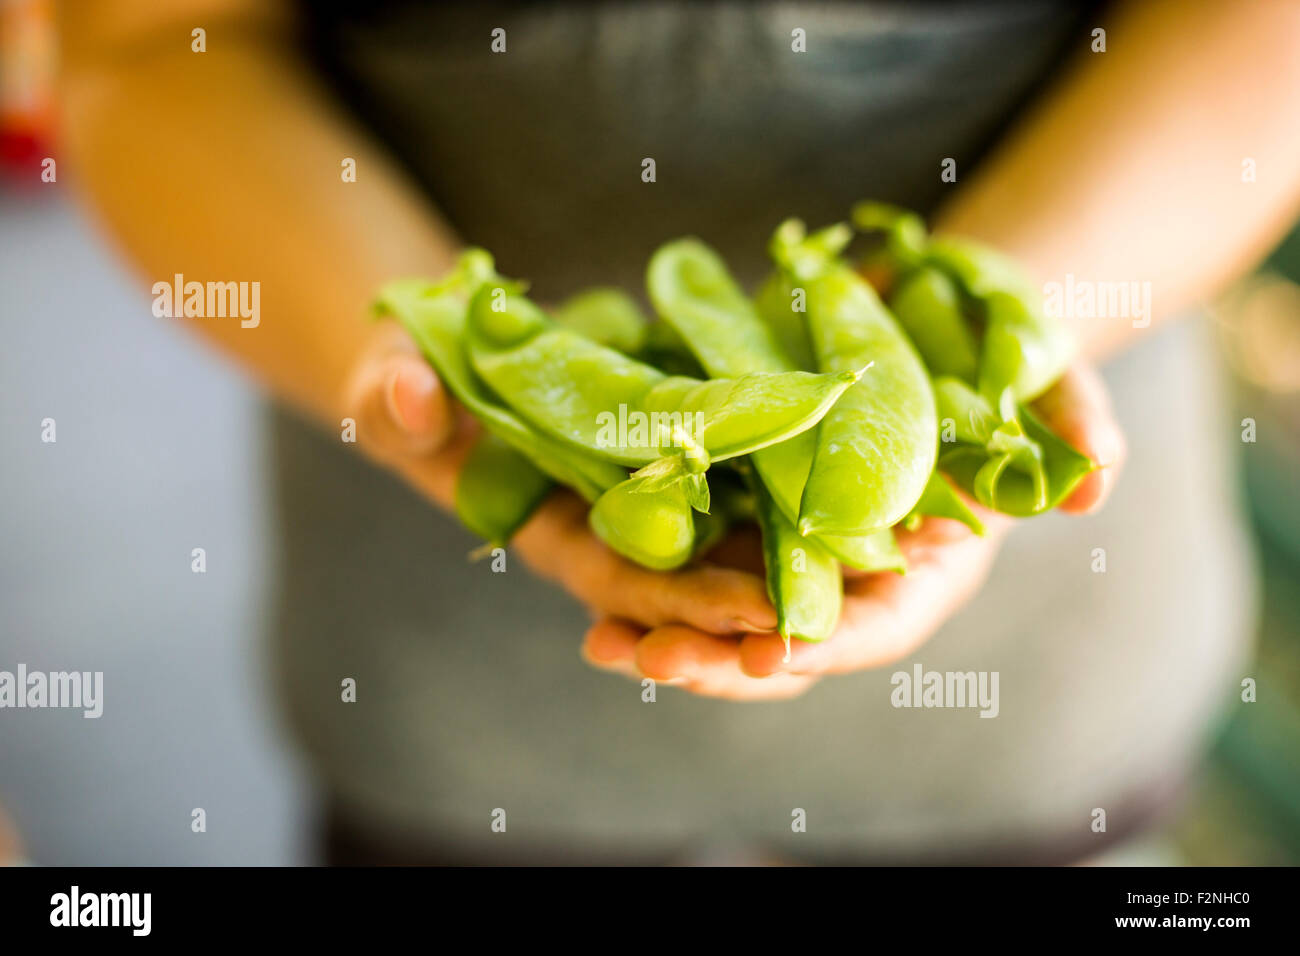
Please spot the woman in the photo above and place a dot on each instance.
(477, 734)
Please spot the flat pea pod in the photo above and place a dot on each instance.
(695, 294)
(803, 577)
(607, 316)
(939, 500)
(498, 489)
(434, 315)
(1010, 463)
(876, 448)
(654, 528)
(596, 399)
(929, 309)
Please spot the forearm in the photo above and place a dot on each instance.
(225, 166)
(1131, 168)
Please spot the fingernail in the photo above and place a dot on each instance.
(409, 389)
(740, 624)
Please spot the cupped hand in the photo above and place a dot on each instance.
(886, 616)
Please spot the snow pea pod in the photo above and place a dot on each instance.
(1008, 459)
(803, 577)
(653, 526)
(939, 500)
(928, 308)
(434, 315)
(876, 448)
(611, 405)
(1021, 347)
(695, 294)
(776, 306)
(605, 315)
(497, 489)
(1023, 350)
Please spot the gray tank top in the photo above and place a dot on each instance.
(471, 693)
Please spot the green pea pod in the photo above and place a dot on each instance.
(803, 578)
(604, 402)
(905, 234)
(607, 316)
(1023, 350)
(498, 489)
(978, 269)
(964, 412)
(666, 351)
(656, 529)
(1013, 464)
(939, 500)
(876, 448)
(434, 315)
(928, 308)
(695, 294)
(1021, 347)
(776, 305)
(877, 551)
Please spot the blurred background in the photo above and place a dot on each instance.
(89, 573)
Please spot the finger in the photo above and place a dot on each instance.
(557, 544)
(709, 666)
(417, 403)
(399, 406)
(885, 617)
(611, 644)
(1078, 409)
(676, 651)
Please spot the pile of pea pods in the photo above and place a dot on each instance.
(814, 408)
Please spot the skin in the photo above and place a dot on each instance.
(1111, 175)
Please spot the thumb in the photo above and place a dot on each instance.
(399, 405)
(416, 403)
(1078, 408)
